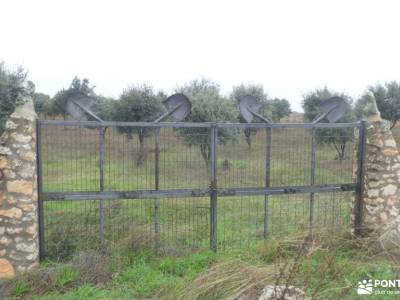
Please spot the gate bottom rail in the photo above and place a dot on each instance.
(183, 193)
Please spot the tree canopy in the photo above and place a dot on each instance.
(257, 91)
(279, 108)
(387, 98)
(338, 137)
(11, 92)
(42, 103)
(138, 104)
(273, 109)
(58, 102)
(208, 105)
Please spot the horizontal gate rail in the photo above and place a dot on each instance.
(181, 193)
(198, 125)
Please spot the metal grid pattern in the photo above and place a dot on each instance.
(189, 186)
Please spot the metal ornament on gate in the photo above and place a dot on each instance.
(78, 106)
(178, 106)
(249, 109)
(332, 109)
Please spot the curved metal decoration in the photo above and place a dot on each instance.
(249, 108)
(78, 106)
(178, 106)
(332, 109)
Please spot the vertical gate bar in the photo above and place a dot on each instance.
(42, 248)
(312, 174)
(358, 205)
(157, 187)
(267, 177)
(213, 187)
(102, 132)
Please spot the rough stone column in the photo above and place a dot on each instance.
(19, 244)
(381, 199)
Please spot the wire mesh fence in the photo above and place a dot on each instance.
(189, 186)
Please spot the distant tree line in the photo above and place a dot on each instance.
(209, 104)
(143, 103)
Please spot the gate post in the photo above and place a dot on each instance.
(377, 213)
(312, 176)
(268, 153)
(19, 242)
(102, 133)
(157, 237)
(42, 247)
(359, 193)
(213, 187)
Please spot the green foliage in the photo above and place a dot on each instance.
(21, 288)
(257, 91)
(66, 276)
(103, 107)
(11, 92)
(42, 103)
(138, 104)
(387, 99)
(186, 266)
(273, 109)
(337, 138)
(145, 274)
(208, 105)
(279, 108)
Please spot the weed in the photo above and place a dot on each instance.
(21, 288)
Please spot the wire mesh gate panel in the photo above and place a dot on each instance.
(190, 185)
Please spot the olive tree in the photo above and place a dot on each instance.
(208, 105)
(387, 98)
(58, 102)
(273, 109)
(103, 107)
(279, 108)
(11, 92)
(338, 137)
(137, 104)
(42, 104)
(257, 91)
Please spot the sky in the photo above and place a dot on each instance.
(289, 47)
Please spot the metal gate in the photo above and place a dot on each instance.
(193, 185)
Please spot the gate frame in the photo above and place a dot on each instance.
(213, 191)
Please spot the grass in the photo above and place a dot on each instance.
(329, 269)
(185, 269)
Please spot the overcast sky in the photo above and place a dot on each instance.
(290, 47)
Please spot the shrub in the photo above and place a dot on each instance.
(11, 92)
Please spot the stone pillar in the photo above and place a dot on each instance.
(381, 200)
(19, 243)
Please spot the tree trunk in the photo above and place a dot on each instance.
(247, 134)
(340, 149)
(205, 150)
(65, 118)
(140, 157)
(392, 124)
